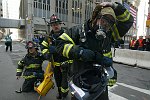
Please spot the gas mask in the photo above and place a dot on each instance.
(102, 27)
(100, 32)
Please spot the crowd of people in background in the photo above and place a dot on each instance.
(142, 44)
(38, 39)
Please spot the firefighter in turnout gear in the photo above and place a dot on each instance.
(91, 43)
(60, 63)
(30, 67)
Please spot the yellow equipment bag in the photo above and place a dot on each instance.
(47, 83)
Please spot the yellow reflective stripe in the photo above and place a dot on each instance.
(33, 66)
(111, 82)
(19, 63)
(44, 51)
(57, 64)
(28, 77)
(114, 36)
(19, 70)
(67, 48)
(115, 33)
(65, 37)
(64, 90)
(70, 61)
(45, 44)
(124, 17)
(109, 54)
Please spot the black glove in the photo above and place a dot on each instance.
(83, 54)
(87, 55)
(107, 62)
(109, 4)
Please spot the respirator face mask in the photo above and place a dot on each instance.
(102, 27)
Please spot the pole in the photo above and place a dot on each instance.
(30, 25)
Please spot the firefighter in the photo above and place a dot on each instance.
(60, 65)
(109, 22)
(30, 67)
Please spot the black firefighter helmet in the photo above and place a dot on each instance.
(55, 19)
(91, 83)
(31, 44)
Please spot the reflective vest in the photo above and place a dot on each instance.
(140, 42)
(132, 43)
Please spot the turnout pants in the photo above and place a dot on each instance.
(28, 85)
(61, 78)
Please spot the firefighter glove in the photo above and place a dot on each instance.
(107, 62)
(82, 54)
(86, 55)
(109, 4)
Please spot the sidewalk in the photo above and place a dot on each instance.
(7, 76)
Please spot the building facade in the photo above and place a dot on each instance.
(1, 9)
(1, 15)
(71, 12)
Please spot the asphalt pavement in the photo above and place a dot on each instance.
(8, 82)
(133, 83)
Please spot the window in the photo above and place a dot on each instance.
(1, 15)
(76, 11)
(40, 5)
(35, 4)
(56, 3)
(59, 3)
(62, 9)
(44, 1)
(48, 2)
(89, 9)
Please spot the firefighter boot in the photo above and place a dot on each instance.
(64, 83)
(59, 94)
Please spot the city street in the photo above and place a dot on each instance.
(133, 83)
